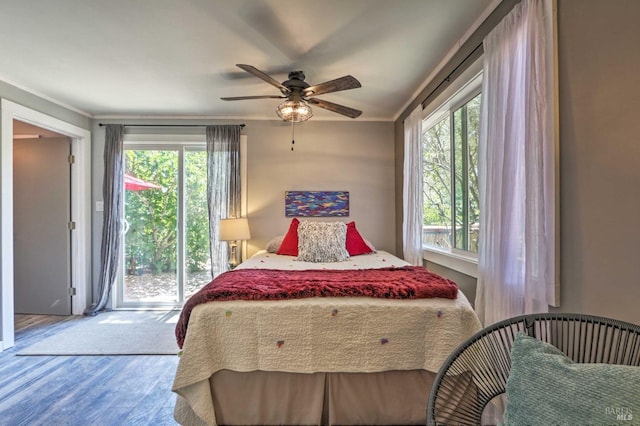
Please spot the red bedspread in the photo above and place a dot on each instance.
(408, 282)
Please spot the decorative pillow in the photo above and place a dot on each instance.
(322, 242)
(274, 244)
(289, 245)
(355, 244)
(546, 387)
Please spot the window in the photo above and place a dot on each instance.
(450, 147)
(166, 238)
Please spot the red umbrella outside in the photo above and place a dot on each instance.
(134, 184)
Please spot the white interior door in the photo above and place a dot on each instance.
(41, 205)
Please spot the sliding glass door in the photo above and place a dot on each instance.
(166, 240)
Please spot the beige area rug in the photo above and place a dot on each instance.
(113, 333)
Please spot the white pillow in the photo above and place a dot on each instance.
(322, 242)
(274, 244)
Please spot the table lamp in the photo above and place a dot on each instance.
(234, 230)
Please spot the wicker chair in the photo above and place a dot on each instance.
(477, 371)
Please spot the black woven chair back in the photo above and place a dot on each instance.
(477, 371)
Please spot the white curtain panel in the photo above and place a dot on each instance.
(412, 199)
(516, 167)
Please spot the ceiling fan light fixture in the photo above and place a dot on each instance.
(294, 111)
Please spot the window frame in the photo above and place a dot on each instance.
(181, 148)
(475, 91)
(466, 87)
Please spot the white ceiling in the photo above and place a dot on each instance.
(175, 58)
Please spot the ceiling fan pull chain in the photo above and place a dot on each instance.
(292, 135)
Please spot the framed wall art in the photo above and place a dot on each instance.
(316, 203)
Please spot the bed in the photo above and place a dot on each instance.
(316, 360)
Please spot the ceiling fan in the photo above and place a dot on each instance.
(298, 94)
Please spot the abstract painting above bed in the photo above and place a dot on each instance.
(316, 203)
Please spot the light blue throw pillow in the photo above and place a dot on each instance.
(545, 387)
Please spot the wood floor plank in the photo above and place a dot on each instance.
(82, 390)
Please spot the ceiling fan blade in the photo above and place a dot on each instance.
(261, 75)
(343, 83)
(242, 74)
(340, 109)
(242, 98)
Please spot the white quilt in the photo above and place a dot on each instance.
(333, 334)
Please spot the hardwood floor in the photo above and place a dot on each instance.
(81, 390)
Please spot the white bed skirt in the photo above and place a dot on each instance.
(276, 398)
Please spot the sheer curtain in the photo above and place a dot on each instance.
(412, 198)
(516, 269)
(113, 196)
(223, 187)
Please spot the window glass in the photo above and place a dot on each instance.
(451, 198)
(166, 238)
(437, 184)
(466, 197)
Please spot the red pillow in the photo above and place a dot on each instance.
(289, 246)
(355, 243)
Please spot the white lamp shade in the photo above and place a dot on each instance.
(234, 229)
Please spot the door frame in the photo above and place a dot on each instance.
(80, 210)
